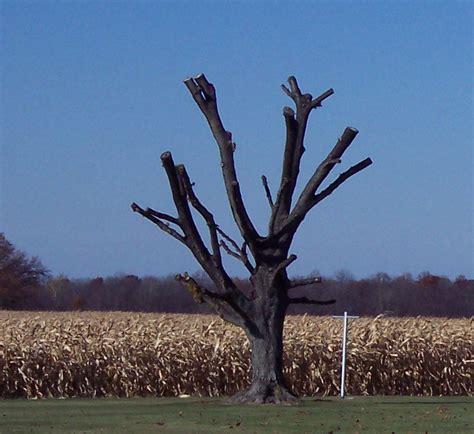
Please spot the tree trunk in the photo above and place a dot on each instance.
(266, 343)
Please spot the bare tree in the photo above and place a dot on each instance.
(266, 257)
(21, 277)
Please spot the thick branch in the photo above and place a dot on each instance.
(305, 300)
(294, 148)
(303, 282)
(286, 175)
(299, 213)
(304, 203)
(186, 221)
(340, 179)
(204, 95)
(152, 216)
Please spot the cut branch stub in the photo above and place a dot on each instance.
(317, 102)
(202, 91)
(177, 189)
(344, 142)
(295, 89)
(306, 99)
(286, 263)
(229, 305)
(206, 87)
(192, 286)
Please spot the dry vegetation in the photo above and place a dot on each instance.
(123, 354)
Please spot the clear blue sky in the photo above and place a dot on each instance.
(92, 93)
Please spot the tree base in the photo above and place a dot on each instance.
(263, 393)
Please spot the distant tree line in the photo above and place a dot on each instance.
(25, 284)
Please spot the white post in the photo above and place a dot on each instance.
(345, 317)
(344, 346)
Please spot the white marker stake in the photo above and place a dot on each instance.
(344, 345)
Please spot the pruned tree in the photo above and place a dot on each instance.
(266, 257)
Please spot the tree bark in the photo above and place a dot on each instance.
(266, 340)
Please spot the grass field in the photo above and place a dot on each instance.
(379, 415)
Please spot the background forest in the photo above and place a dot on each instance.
(26, 284)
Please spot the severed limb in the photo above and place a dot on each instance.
(297, 96)
(193, 238)
(197, 291)
(306, 300)
(294, 147)
(294, 283)
(223, 304)
(205, 213)
(340, 179)
(323, 170)
(204, 94)
(308, 197)
(157, 218)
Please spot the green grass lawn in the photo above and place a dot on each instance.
(384, 414)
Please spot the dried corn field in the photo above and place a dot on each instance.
(123, 354)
